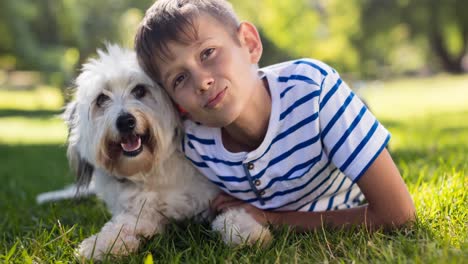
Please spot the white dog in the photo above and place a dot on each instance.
(124, 135)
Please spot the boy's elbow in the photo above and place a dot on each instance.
(405, 216)
(406, 219)
(410, 215)
(395, 217)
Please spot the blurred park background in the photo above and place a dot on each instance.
(45, 41)
(407, 58)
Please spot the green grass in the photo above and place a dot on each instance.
(428, 122)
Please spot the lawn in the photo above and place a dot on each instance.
(428, 121)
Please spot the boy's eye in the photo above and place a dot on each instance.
(206, 53)
(178, 80)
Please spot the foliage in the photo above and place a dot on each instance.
(56, 36)
(367, 38)
(316, 29)
(418, 29)
(429, 148)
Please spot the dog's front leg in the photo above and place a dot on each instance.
(238, 227)
(122, 234)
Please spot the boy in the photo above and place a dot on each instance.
(290, 143)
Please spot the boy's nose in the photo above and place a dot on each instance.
(205, 84)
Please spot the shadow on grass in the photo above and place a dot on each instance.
(31, 169)
(28, 170)
(39, 114)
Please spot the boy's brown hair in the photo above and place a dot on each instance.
(173, 20)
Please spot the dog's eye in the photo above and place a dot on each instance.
(101, 100)
(139, 91)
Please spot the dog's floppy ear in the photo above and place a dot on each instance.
(69, 116)
(81, 167)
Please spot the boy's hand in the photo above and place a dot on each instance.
(224, 202)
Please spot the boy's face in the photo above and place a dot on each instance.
(213, 77)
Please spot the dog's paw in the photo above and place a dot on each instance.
(88, 249)
(237, 227)
(97, 246)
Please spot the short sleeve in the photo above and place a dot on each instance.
(351, 135)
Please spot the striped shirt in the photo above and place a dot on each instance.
(320, 140)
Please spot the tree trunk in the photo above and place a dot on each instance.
(451, 64)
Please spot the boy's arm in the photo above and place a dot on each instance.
(389, 203)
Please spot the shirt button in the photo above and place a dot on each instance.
(250, 166)
(262, 193)
(257, 182)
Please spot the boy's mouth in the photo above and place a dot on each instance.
(216, 99)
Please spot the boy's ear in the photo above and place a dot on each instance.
(250, 38)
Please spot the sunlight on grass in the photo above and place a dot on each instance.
(20, 130)
(21, 121)
(448, 129)
(442, 204)
(41, 98)
(408, 98)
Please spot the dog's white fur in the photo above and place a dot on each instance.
(144, 191)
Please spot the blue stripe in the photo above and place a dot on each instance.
(347, 132)
(330, 202)
(288, 132)
(311, 163)
(248, 190)
(198, 164)
(315, 66)
(201, 140)
(295, 127)
(372, 160)
(348, 193)
(287, 154)
(286, 90)
(299, 102)
(360, 146)
(356, 199)
(182, 144)
(285, 177)
(330, 93)
(337, 115)
(307, 183)
(298, 78)
(240, 191)
(215, 160)
(312, 206)
(232, 178)
(317, 197)
(189, 143)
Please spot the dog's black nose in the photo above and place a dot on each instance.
(126, 123)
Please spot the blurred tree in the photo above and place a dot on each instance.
(369, 38)
(54, 36)
(441, 27)
(321, 29)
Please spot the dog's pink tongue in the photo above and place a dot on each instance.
(131, 143)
